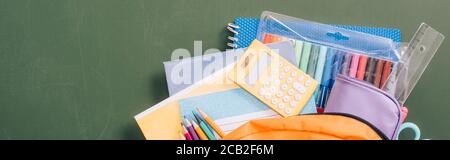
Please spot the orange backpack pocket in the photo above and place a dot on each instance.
(307, 127)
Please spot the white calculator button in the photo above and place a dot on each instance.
(282, 74)
(273, 90)
(274, 101)
(308, 83)
(280, 94)
(291, 92)
(277, 82)
(287, 68)
(293, 74)
(292, 104)
(300, 78)
(286, 99)
(298, 97)
(299, 87)
(284, 87)
(267, 96)
(296, 85)
(287, 111)
(289, 80)
(262, 91)
(281, 105)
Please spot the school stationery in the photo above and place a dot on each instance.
(325, 87)
(191, 129)
(273, 80)
(313, 58)
(346, 64)
(354, 66)
(205, 128)
(305, 56)
(162, 121)
(415, 60)
(196, 116)
(361, 67)
(378, 73)
(186, 133)
(231, 108)
(199, 131)
(211, 123)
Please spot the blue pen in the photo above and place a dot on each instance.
(326, 78)
(339, 58)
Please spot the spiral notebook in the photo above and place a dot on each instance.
(244, 31)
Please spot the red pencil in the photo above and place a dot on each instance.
(386, 73)
(186, 133)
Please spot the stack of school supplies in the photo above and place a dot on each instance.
(290, 70)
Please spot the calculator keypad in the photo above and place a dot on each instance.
(287, 90)
(283, 87)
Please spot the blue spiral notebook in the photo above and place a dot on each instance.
(245, 31)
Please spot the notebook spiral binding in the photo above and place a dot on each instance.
(233, 29)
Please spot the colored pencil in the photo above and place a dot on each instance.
(205, 129)
(191, 129)
(186, 133)
(211, 123)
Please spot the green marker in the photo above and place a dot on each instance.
(320, 65)
(305, 56)
(313, 60)
(298, 51)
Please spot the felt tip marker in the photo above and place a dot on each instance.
(326, 79)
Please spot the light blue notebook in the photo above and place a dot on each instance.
(248, 28)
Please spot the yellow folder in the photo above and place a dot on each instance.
(162, 121)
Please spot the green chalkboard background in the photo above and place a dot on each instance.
(81, 69)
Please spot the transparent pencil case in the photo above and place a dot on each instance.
(323, 51)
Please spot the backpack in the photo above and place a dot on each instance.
(308, 127)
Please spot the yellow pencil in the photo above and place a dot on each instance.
(199, 131)
(211, 123)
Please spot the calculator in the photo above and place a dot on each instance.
(273, 80)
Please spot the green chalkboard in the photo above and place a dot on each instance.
(81, 69)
